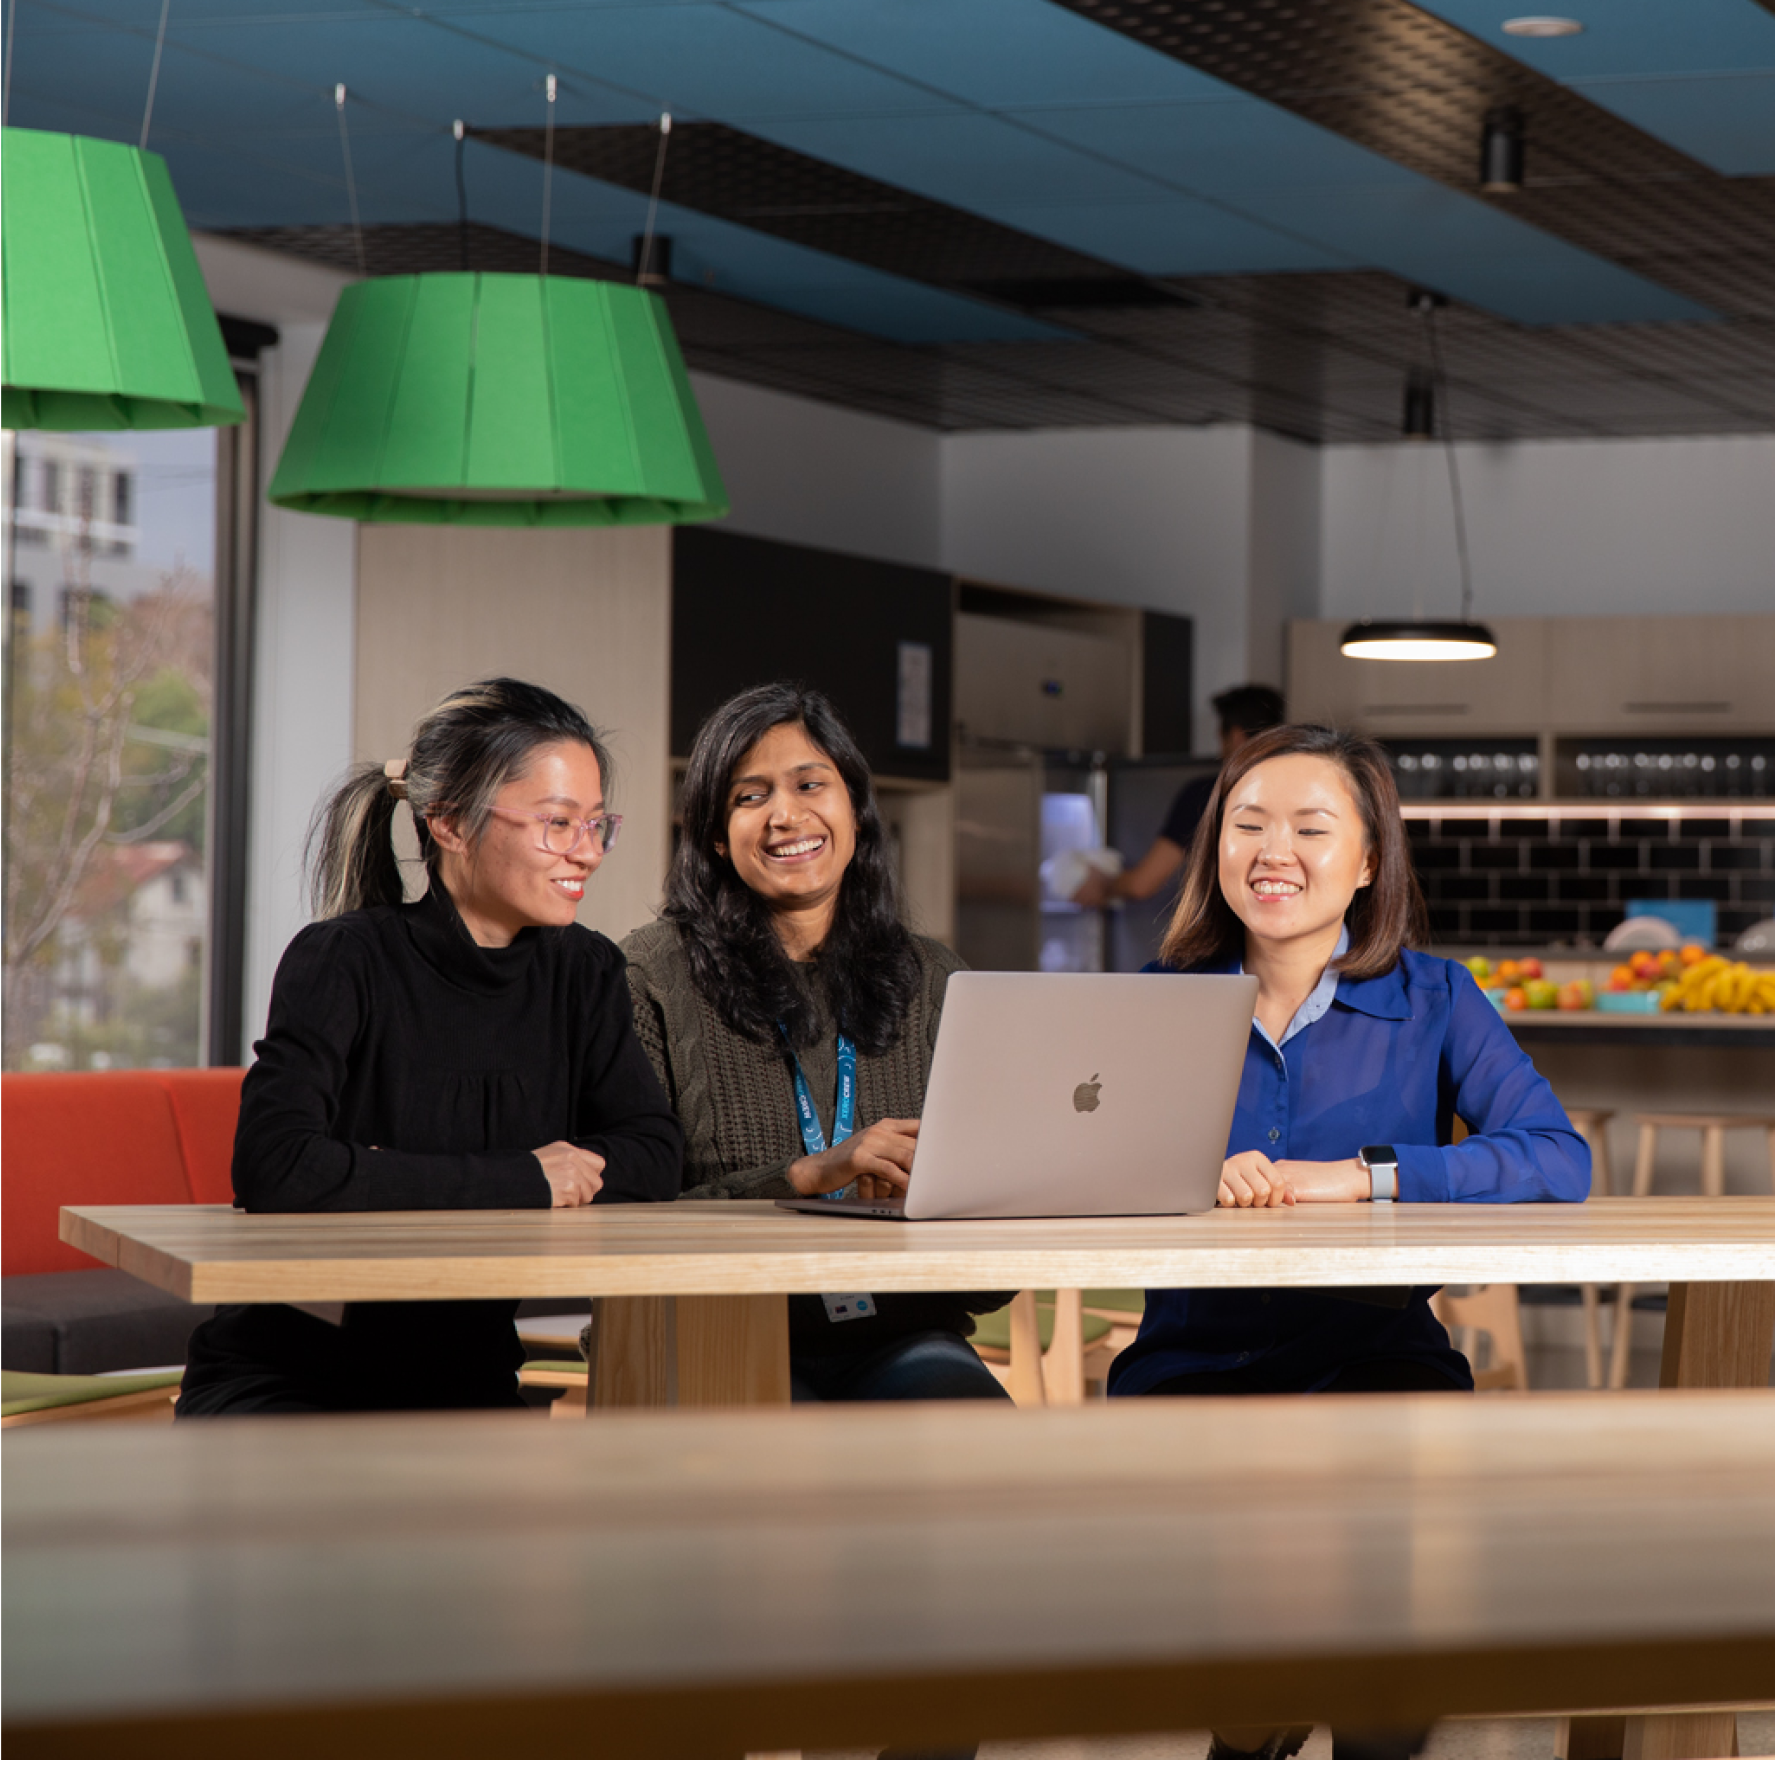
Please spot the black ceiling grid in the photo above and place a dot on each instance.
(1268, 349)
(1319, 356)
(1416, 89)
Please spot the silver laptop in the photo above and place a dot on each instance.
(1074, 1094)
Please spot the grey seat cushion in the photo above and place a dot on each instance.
(90, 1321)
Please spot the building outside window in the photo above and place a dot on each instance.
(109, 708)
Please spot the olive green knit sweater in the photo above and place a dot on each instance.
(736, 1100)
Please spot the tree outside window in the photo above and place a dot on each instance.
(109, 696)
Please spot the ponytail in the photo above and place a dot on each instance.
(464, 751)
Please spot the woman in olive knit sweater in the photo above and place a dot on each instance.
(791, 1016)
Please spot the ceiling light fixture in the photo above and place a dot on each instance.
(107, 325)
(486, 398)
(1500, 151)
(1542, 26)
(1418, 639)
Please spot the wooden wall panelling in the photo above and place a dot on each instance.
(586, 612)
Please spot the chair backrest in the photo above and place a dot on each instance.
(106, 1138)
(206, 1105)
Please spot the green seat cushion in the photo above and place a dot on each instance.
(553, 1367)
(1105, 1299)
(992, 1330)
(47, 1392)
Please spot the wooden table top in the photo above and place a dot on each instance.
(215, 1254)
(713, 1582)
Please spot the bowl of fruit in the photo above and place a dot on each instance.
(1636, 986)
(1523, 985)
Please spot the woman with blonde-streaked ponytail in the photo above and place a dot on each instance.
(469, 1048)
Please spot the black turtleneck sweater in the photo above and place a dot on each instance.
(405, 1067)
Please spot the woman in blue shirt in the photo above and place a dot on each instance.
(1358, 1043)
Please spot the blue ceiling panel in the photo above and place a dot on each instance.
(1698, 74)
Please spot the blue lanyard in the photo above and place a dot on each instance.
(844, 1116)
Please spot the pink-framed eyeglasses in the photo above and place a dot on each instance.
(561, 836)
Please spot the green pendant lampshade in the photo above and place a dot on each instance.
(107, 323)
(489, 398)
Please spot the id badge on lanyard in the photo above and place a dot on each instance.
(840, 1308)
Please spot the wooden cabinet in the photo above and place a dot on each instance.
(1612, 676)
(1055, 688)
(1649, 675)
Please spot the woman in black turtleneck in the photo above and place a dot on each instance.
(471, 1049)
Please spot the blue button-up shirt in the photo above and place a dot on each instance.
(1384, 1062)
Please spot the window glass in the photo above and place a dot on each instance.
(110, 560)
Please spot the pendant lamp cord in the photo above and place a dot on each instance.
(644, 264)
(548, 170)
(153, 73)
(6, 96)
(459, 129)
(1428, 306)
(357, 227)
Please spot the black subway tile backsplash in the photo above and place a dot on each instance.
(1553, 856)
(1736, 856)
(1498, 885)
(1676, 856)
(1495, 920)
(1553, 921)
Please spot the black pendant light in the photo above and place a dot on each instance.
(1500, 151)
(1418, 639)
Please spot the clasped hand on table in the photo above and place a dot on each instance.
(1249, 1179)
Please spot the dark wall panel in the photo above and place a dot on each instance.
(745, 611)
(1167, 683)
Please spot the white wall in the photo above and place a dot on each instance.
(302, 688)
(801, 471)
(1615, 527)
(1156, 517)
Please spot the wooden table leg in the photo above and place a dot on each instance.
(691, 1350)
(1716, 1333)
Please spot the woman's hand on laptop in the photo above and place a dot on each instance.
(1249, 1179)
(877, 1158)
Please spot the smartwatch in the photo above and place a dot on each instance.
(1382, 1165)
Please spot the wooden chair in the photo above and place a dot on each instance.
(1593, 1126)
(573, 1378)
(1496, 1310)
(1040, 1350)
(1713, 1130)
(35, 1401)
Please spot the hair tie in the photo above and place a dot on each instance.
(396, 772)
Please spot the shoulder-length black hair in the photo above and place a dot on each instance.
(867, 964)
(1384, 917)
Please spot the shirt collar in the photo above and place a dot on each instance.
(1383, 997)
(1317, 1001)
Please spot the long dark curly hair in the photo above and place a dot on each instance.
(868, 965)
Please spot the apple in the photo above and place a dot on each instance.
(1509, 972)
(1691, 954)
(1648, 968)
(1531, 968)
(1622, 979)
(1576, 994)
(1516, 999)
(1543, 994)
(1479, 966)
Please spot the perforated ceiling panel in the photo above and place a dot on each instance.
(1316, 355)
(1415, 88)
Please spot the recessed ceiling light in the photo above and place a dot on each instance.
(1542, 27)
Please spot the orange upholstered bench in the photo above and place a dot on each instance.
(109, 1138)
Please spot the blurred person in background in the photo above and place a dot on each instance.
(1244, 712)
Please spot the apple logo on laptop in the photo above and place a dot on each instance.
(1084, 1098)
